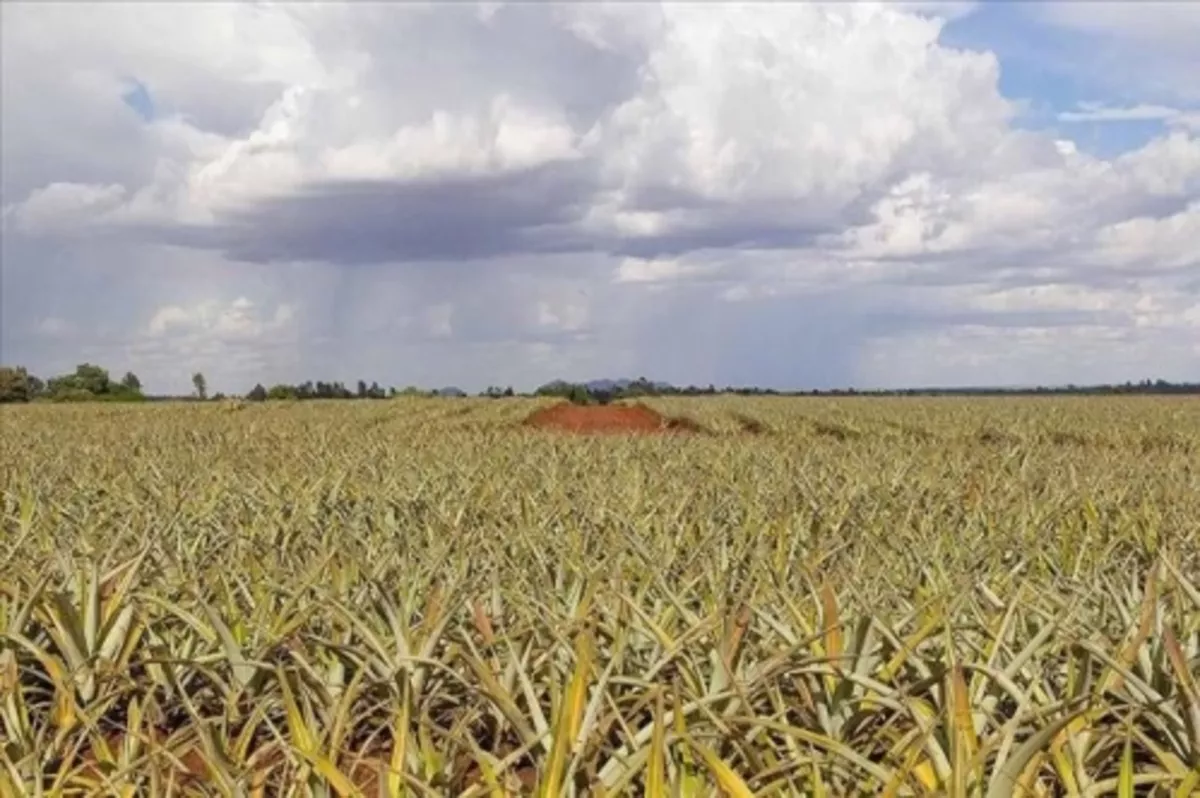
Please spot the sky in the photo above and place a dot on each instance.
(793, 195)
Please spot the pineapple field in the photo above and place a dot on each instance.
(983, 597)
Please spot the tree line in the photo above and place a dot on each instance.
(606, 391)
(87, 383)
(90, 382)
(318, 390)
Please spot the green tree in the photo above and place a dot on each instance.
(69, 394)
(87, 383)
(131, 383)
(257, 394)
(14, 385)
(579, 395)
(201, 385)
(282, 392)
(91, 378)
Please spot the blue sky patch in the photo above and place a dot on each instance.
(1051, 70)
(137, 97)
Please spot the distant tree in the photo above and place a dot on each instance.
(362, 390)
(496, 392)
(556, 388)
(579, 395)
(56, 385)
(69, 394)
(201, 386)
(87, 382)
(14, 385)
(257, 394)
(90, 378)
(375, 392)
(282, 392)
(131, 383)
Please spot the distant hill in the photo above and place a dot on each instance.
(451, 391)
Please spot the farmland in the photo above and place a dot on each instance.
(423, 597)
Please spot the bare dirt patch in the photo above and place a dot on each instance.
(628, 419)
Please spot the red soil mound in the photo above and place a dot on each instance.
(567, 417)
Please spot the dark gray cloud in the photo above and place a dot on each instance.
(781, 224)
(531, 211)
(448, 219)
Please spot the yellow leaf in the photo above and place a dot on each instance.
(1125, 777)
(570, 717)
(305, 743)
(964, 740)
(335, 777)
(819, 790)
(728, 780)
(395, 777)
(831, 622)
(1190, 786)
(926, 774)
(302, 738)
(656, 776)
